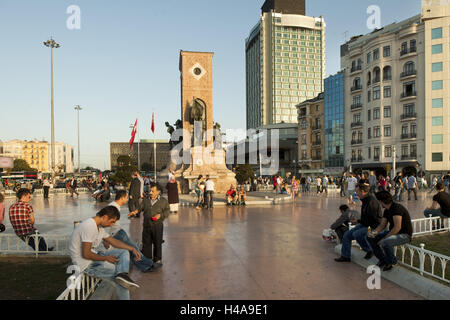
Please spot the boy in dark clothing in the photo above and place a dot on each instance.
(400, 231)
(341, 225)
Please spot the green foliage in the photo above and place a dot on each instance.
(124, 160)
(22, 165)
(244, 172)
(123, 174)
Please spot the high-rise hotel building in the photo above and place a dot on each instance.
(285, 62)
(397, 96)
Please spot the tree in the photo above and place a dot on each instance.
(22, 165)
(123, 160)
(123, 174)
(244, 172)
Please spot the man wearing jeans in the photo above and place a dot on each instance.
(442, 200)
(109, 265)
(400, 231)
(412, 186)
(370, 217)
(116, 231)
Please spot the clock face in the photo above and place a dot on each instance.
(197, 71)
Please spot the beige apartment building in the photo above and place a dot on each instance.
(397, 94)
(311, 146)
(38, 154)
(285, 62)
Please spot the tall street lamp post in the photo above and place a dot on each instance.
(52, 44)
(78, 108)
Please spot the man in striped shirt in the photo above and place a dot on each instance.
(21, 216)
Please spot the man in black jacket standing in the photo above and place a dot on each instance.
(134, 195)
(156, 210)
(371, 215)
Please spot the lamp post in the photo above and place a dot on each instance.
(78, 108)
(52, 44)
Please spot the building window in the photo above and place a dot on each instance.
(413, 151)
(438, 103)
(412, 45)
(388, 152)
(368, 96)
(409, 109)
(376, 93)
(438, 157)
(376, 54)
(436, 49)
(387, 73)
(387, 51)
(437, 85)
(387, 92)
(376, 114)
(369, 133)
(438, 139)
(376, 153)
(369, 153)
(409, 89)
(438, 121)
(376, 132)
(437, 67)
(369, 115)
(369, 55)
(387, 131)
(405, 150)
(436, 33)
(387, 112)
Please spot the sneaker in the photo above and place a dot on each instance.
(369, 255)
(155, 267)
(343, 259)
(125, 281)
(388, 267)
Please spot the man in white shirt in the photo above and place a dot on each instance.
(110, 265)
(209, 192)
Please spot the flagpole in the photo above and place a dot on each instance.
(139, 149)
(154, 143)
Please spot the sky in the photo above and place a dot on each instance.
(122, 63)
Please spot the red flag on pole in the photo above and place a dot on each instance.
(133, 134)
(153, 123)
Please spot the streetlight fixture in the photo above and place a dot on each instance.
(52, 44)
(78, 108)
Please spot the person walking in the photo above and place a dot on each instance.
(209, 190)
(398, 185)
(46, 185)
(199, 192)
(325, 182)
(373, 182)
(172, 194)
(412, 187)
(73, 187)
(295, 187)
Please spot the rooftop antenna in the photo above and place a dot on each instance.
(345, 36)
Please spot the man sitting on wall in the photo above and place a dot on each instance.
(441, 205)
(400, 231)
(231, 196)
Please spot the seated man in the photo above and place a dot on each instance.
(105, 195)
(400, 231)
(145, 264)
(231, 196)
(442, 200)
(110, 265)
(21, 216)
(341, 225)
(242, 196)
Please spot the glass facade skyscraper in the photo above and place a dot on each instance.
(285, 65)
(334, 121)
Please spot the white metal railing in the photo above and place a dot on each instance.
(79, 287)
(427, 262)
(11, 243)
(428, 226)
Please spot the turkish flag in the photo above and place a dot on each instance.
(133, 134)
(153, 123)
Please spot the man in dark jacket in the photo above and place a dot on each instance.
(156, 210)
(73, 187)
(371, 215)
(135, 195)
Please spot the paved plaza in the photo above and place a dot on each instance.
(257, 252)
